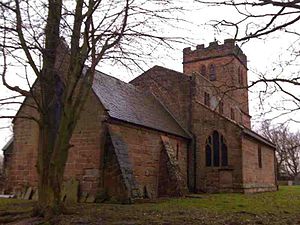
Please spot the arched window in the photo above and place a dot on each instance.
(216, 153)
(203, 70)
(212, 72)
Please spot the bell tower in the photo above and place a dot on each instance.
(223, 67)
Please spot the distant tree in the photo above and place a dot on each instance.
(262, 19)
(287, 148)
(92, 31)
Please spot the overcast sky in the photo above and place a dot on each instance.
(263, 56)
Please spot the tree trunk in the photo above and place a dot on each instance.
(49, 185)
(53, 149)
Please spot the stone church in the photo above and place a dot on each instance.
(165, 133)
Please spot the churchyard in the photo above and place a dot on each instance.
(282, 207)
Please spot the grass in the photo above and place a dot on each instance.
(282, 207)
(286, 200)
(14, 209)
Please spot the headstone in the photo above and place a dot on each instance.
(83, 197)
(70, 191)
(23, 193)
(297, 180)
(28, 193)
(91, 198)
(18, 194)
(290, 183)
(35, 195)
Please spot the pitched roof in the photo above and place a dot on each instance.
(126, 102)
(161, 71)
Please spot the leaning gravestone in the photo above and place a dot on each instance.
(91, 198)
(28, 193)
(70, 191)
(35, 196)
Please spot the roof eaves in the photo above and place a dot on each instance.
(189, 135)
(6, 146)
(258, 137)
(147, 127)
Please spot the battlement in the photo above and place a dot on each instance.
(214, 50)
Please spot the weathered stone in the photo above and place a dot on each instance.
(124, 165)
(23, 193)
(28, 193)
(83, 197)
(135, 157)
(91, 172)
(91, 198)
(35, 195)
(70, 191)
(176, 185)
(18, 194)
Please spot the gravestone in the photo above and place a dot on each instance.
(28, 193)
(70, 191)
(91, 198)
(35, 195)
(83, 197)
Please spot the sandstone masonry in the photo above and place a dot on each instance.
(165, 133)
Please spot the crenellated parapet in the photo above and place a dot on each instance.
(214, 50)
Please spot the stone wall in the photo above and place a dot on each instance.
(145, 148)
(84, 158)
(229, 62)
(222, 178)
(203, 85)
(256, 178)
(171, 88)
(21, 167)
(88, 139)
(113, 177)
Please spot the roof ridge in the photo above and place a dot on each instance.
(159, 67)
(125, 83)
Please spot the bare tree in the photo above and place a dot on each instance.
(287, 148)
(89, 32)
(262, 19)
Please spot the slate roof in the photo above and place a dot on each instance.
(126, 102)
(161, 71)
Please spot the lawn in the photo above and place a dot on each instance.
(282, 207)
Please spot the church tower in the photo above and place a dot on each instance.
(223, 70)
